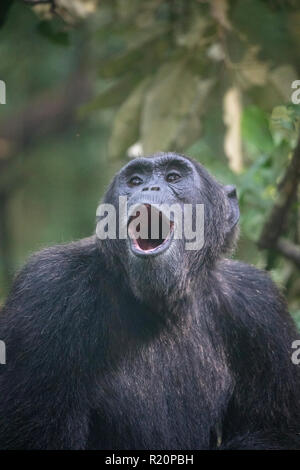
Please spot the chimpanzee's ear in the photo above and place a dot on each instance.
(233, 214)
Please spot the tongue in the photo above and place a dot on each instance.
(148, 244)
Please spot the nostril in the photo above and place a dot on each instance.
(145, 189)
(155, 188)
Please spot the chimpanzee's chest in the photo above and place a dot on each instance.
(160, 401)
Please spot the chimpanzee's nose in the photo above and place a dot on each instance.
(153, 188)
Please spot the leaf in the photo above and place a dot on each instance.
(190, 127)
(255, 130)
(174, 99)
(293, 24)
(75, 9)
(47, 29)
(251, 71)
(282, 77)
(284, 124)
(219, 11)
(261, 24)
(139, 58)
(70, 11)
(193, 36)
(4, 9)
(126, 123)
(114, 95)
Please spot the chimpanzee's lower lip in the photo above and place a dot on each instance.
(136, 249)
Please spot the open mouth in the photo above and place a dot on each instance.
(150, 231)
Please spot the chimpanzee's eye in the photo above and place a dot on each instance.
(135, 181)
(172, 176)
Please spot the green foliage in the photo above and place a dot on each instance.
(4, 9)
(125, 129)
(266, 26)
(285, 124)
(268, 141)
(255, 130)
(47, 29)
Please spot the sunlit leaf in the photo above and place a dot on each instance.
(176, 94)
(126, 123)
(255, 130)
(285, 124)
(252, 71)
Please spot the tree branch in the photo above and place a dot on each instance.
(38, 2)
(289, 250)
(276, 223)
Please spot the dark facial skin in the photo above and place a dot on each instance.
(171, 179)
(167, 178)
(163, 180)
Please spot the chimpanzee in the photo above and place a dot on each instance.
(134, 343)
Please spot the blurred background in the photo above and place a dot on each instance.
(91, 84)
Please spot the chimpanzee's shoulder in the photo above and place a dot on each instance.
(239, 272)
(62, 258)
(58, 269)
(250, 290)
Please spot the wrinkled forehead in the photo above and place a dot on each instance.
(157, 163)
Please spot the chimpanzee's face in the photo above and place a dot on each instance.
(172, 206)
(157, 190)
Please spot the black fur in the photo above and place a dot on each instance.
(108, 352)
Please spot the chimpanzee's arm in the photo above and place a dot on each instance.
(43, 385)
(258, 331)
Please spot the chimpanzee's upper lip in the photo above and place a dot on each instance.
(151, 246)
